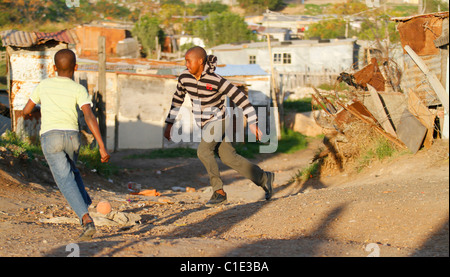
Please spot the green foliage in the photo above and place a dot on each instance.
(376, 29)
(327, 29)
(207, 8)
(306, 173)
(290, 142)
(38, 13)
(17, 146)
(348, 8)
(299, 106)
(259, 6)
(380, 150)
(314, 9)
(221, 28)
(146, 30)
(90, 157)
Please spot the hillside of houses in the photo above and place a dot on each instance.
(132, 80)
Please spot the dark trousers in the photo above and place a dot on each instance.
(227, 155)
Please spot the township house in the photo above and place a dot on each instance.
(138, 92)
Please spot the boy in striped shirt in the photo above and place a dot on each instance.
(208, 92)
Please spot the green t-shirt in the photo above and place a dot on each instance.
(58, 97)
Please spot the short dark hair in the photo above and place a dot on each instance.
(200, 52)
(65, 60)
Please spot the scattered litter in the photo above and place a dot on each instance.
(189, 189)
(113, 218)
(134, 187)
(147, 192)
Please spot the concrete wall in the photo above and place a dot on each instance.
(144, 103)
(136, 107)
(307, 56)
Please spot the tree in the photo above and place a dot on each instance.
(146, 30)
(207, 8)
(348, 8)
(258, 6)
(326, 29)
(220, 28)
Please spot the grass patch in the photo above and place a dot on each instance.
(90, 157)
(306, 173)
(180, 152)
(382, 148)
(18, 147)
(298, 106)
(290, 142)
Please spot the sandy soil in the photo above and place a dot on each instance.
(395, 208)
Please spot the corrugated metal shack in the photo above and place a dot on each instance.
(428, 36)
(29, 58)
(425, 34)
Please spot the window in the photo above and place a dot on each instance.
(286, 58)
(252, 59)
(277, 58)
(282, 58)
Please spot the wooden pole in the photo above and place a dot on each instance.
(102, 86)
(274, 95)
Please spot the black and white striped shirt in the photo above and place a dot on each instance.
(208, 96)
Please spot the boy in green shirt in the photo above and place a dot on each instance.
(60, 138)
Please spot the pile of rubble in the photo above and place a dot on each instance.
(409, 113)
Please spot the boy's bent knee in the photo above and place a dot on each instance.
(204, 153)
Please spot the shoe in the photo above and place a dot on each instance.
(216, 199)
(88, 231)
(268, 185)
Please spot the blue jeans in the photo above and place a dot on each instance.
(61, 150)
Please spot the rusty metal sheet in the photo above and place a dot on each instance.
(67, 36)
(420, 32)
(371, 75)
(18, 38)
(29, 39)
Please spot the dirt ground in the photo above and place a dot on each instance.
(395, 208)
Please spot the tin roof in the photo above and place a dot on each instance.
(28, 39)
(240, 70)
(403, 19)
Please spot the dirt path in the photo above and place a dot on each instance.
(395, 208)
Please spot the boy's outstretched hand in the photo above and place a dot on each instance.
(256, 131)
